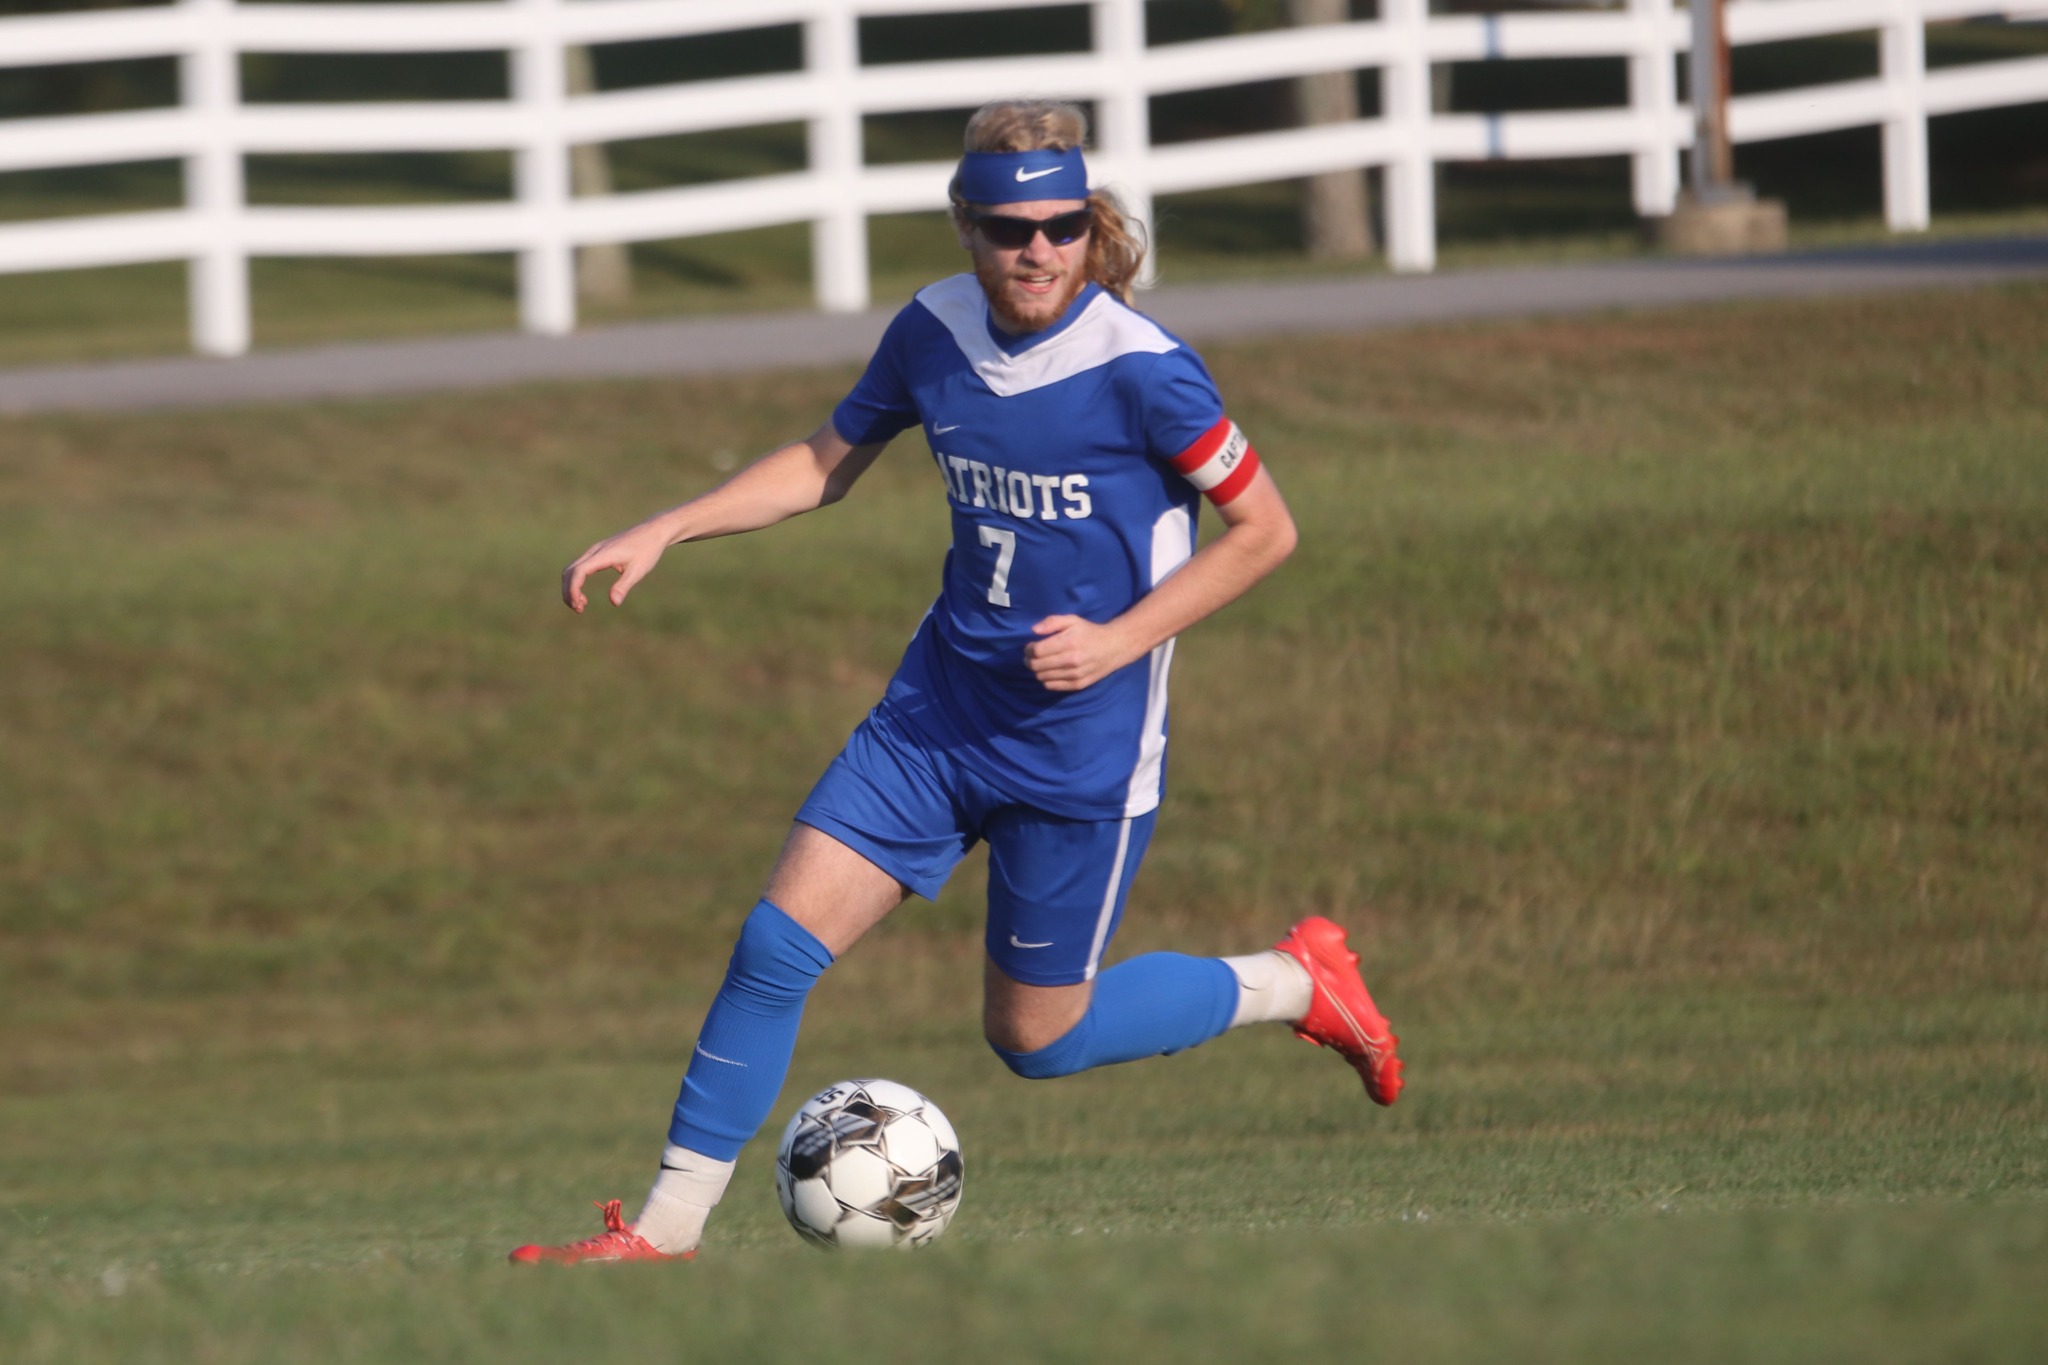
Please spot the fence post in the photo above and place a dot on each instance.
(1124, 112)
(547, 270)
(1902, 61)
(1653, 100)
(218, 276)
(839, 234)
(1411, 177)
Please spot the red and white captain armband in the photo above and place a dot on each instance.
(1222, 463)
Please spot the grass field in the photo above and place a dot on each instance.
(1661, 698)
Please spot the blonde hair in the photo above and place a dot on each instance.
(1116, 246)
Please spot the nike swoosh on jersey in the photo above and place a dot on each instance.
(1023, 175)
(1016, 942)
(941, 431)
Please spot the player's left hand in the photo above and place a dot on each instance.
(1071, 653)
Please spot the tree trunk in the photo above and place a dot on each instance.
(1336, 218)
(604, 273)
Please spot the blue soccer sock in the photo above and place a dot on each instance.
(1154, 1005)
(743, 1052)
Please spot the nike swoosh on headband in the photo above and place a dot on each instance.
(1023, 175)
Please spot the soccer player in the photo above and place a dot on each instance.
(1075, 440)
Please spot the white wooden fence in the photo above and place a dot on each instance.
(211, 130)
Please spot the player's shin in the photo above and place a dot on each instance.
(736, 1071)
(1155, 1004)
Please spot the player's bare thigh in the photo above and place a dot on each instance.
(831, 890)
(1020, 1018)
(839, 895)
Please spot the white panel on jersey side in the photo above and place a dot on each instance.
(1104, 331)
(1173, 544)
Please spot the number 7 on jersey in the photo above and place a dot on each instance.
(1006, 552)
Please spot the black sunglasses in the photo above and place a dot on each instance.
(1014, 233)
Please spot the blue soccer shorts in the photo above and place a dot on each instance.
(1056, 886)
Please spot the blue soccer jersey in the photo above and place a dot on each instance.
(1074, 460)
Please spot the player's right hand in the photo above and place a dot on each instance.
(633, 554)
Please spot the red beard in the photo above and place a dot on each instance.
(994, 284)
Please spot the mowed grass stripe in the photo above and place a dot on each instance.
(1659, 697)
(1880, 1284)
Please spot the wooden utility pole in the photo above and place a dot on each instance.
(604, 273)
(1717, 215)
(1712, 163)
(1336, 214)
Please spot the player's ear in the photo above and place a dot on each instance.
(962, 231)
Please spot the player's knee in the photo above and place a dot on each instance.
(1063, 1056)
(776, 959)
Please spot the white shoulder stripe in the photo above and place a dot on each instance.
(1104, 331)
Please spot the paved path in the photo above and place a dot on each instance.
(1199, 312)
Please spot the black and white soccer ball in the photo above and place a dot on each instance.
(869, 1164)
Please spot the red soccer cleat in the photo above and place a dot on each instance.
(617, 1242)
(1341, 1014)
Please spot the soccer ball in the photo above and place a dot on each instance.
(869, 1164)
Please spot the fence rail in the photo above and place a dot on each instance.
(211, 130)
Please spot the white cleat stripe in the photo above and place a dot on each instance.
(1362, 1039)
